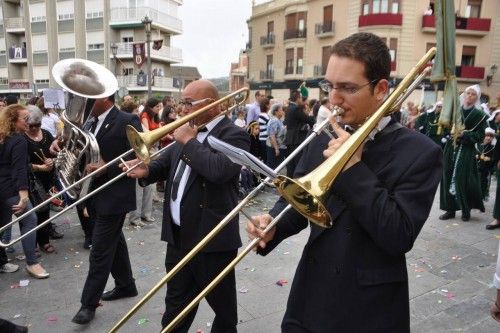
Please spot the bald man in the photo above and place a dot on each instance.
(202, 188)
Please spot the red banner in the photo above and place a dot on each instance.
(139, 53)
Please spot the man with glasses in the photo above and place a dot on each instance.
(202, 188)
(352, 277)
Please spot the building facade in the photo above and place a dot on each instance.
(239, 72)
(35, 34)
(290, 40)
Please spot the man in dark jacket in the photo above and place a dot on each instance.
(202, 188)
(352, 277)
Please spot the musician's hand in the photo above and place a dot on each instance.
(185, 133)
(49, 163)
(54, 147)
(255, 227)
(140, 171)
(91, 167)
(335, 144)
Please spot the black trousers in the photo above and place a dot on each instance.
(42, 234)
(85, 222)
(109, 254)
(290, 167)
(191, 280)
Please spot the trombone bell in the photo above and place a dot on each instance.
(298, 194)
(138, 144)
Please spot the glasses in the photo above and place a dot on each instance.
(35, 125)
(343, 88)
(190, 104)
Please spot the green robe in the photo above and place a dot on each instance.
(462, 157)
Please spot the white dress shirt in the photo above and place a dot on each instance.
(175, 206)
(100, 120)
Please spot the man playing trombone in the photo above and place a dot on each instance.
(202, 188)
(352, 277)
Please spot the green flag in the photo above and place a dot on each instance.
(444, 62)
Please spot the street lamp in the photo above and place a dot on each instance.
(146, 21)
(489, 77)
(114, 51)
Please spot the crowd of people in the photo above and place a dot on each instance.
(359, 266)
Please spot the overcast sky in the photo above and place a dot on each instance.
(214, 32)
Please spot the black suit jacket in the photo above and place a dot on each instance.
(352, 277)
(211, 191)
(296, 121)
(119, 197)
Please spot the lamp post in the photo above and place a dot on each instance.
(146, 21)
(114, 51)
(489, 77)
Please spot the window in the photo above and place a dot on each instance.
(289, 61)
(270, 28)
(42, 81)
(300, 60)
(67, 49)
(393, 47)
(269, 66)
(468, 55)
(379, 6)
(65, 17)
(4, 80)
(91, 15)
(38, 19)
(99, 46)
(127, 39)
(128, 70)
(326, 52)
(473, 8)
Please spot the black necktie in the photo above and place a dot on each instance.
(177, 179)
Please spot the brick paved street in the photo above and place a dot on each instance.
(450, 267)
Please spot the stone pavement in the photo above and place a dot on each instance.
(450, 269)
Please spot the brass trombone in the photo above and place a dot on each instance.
(140, 141)
(312, 187)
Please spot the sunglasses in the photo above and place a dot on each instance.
(35, 125)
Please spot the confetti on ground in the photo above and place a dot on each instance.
(15, 286)
(20, 257)
(17, 316)
(77, 266)
(419, 270)
(281, 282)
(418, 276)
(209, 324)
(455, 224)
(243, 290)
(440, 301)
(140, 242)
(52, 319)
(444, 290)
(286, 252)
(199, 330)
(65, 258)
(444, 271)
(450, 295)
(142, 321)
(456, 258)
(143, 270)
(24, 283)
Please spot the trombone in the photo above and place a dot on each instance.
(141, 142)
(311, 188)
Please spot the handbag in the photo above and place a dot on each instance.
(37, 193)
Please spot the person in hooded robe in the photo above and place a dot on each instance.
(428, 124)
(460, 186)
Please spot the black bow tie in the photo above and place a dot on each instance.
(203, 129)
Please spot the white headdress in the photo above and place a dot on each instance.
(477, 89)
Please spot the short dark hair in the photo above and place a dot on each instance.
(11, 99)
(368, 49)
(264, 105)
(294, 95)
(257, 93)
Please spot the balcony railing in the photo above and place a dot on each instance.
(380, 19)
(121, 16)
(299, 70)
(324, 29)
(319, 70)
(470, 72)
(133, 82)
(14, 24)
(267, 40)
(168, 53)
(295, 33)
(17, 55)
(463, 25)
(267, 75)
(288, 70)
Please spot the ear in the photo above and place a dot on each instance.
(381, 89)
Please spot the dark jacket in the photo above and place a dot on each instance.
(119, 197)
(13, 166)
(297, 123)
(211, 190)
(352, 277)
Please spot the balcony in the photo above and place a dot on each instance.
(17, 55)
(267, 41)
(20, 86)
(387, 19)
(464, 26)
(165, 54)
(267, 75)
(469, 73)
(326, 29)
(15, 25)
(319, 70)
(288, 70)
(132, 17)
(136, 83)
(294, 34)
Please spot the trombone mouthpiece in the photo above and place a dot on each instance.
(337, 111)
